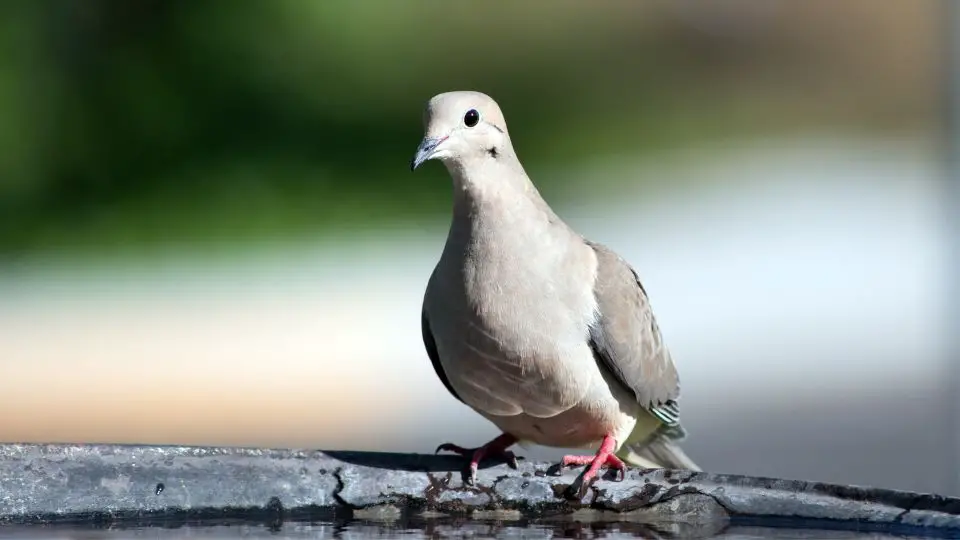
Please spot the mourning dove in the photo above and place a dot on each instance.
(548, 335)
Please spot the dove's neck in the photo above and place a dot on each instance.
(493, 183)
(497, 195)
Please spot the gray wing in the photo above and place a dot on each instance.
(627, 340)
(431, 345)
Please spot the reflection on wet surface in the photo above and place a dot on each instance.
(429, 529)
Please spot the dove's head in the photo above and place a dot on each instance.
(462, 128)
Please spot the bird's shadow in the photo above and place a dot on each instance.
(432, 463)
(406, 462)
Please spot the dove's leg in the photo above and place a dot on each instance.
(495, 448)
(604, 456)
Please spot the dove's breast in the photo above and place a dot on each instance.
(510, 309)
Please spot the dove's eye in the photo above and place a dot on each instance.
(471, 118)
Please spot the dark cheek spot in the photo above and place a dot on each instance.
(493, 152)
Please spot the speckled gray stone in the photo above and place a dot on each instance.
(113, 483)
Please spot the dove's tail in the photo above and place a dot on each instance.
(661, 450)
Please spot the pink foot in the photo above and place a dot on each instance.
(496, 448)
(604, 457)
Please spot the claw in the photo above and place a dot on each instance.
(471, 479)
(576, 490)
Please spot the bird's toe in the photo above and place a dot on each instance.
(450, 447)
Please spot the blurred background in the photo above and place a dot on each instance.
(209, 233)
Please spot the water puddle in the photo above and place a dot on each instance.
(428, 529)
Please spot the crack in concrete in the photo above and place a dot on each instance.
(909, 508)
(338, 489)
(493, 486)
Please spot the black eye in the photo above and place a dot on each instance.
(471, 118)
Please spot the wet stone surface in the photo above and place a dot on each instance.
(109, 484)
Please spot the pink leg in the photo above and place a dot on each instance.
(603, 457)
(495, 448)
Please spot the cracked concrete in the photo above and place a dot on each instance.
(112, 483)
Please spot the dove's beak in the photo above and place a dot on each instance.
(425, 151)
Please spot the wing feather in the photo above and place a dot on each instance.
(431, 346)
(626, 339)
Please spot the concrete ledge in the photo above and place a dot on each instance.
(138, 485)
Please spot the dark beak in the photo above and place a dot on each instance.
(425, 150)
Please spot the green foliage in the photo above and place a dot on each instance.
(137, 123)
